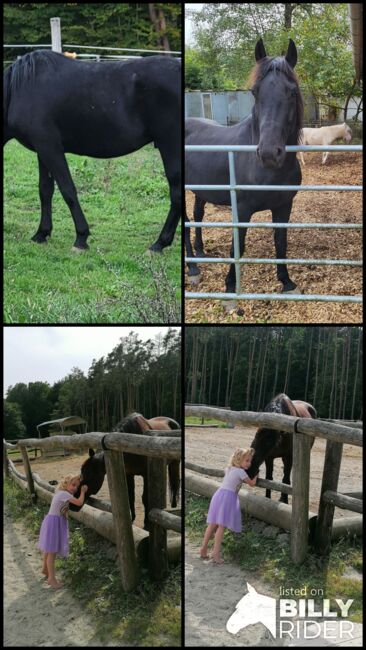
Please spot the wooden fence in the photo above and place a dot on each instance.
(302, 429)
(118, 526)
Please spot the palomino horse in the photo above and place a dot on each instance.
(325, 135)
(275, 122)
(93, 470)
(270, 443)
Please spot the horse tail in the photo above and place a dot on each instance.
(173, 424)
(173, 471)
(174, 482)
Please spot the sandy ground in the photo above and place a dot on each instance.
(212, 591)
(35, 615)
(213, 447)
(211, 595)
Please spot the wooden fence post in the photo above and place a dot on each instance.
(28, 473)
(158, 552)
(300, 496)
(117, 484)
(332, 465)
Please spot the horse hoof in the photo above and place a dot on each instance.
(296, 290)
(194, 280)
(76, 249)
(229, 305)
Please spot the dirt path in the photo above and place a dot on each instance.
(211, 595)
(212, 448)
(35, 615)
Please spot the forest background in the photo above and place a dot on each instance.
(121, 24)
(137, 375)
(244, 367)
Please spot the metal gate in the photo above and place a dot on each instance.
(237, 260)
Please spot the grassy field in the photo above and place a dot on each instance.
(125, 201)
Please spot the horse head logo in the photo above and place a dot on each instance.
(253, 608)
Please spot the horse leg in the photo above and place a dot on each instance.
(269, 474)
(282, 215)
(53, 158)
(194, 273)
(198, 214)
(230, 280)
(174, 481)
(145, 502)
(131, 494)
(46, 189)
(324, 157)
(170, 155)
(287, 466)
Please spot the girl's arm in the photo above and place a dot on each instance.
(80, 500)
(252, 481)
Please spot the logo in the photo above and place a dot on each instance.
(256, 608)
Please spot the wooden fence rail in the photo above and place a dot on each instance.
(158, 449)
(302, 429)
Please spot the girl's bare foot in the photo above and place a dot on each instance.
(216, 558)
(203, 553)
(45, 572)
(55, 584)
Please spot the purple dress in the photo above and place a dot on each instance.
(224, 508)
(54, 533)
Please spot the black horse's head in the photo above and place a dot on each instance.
(278, 108)
(264, 445)
(92, 474)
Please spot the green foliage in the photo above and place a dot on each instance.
(226, 34)
(136, 375)
(100, 24)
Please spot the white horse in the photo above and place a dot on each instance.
(325, 135)
(253, 608)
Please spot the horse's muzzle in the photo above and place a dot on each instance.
(271, 157)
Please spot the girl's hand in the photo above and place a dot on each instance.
(84, 488)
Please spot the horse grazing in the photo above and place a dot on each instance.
(55, 105)
(275, 122)
(93, 470)
(325, 135)
(271, 443)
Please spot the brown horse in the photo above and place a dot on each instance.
(93, 469)
(270, 443)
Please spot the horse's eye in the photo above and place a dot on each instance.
(254, 91)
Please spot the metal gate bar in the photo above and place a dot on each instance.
(236, 260)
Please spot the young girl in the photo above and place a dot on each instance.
(224, 511)
(54, 533)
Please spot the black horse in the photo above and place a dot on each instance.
(93, 470)
(270, 443)
(275, 122)
(54, 105)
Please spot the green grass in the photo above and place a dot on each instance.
(150, 616)
(125, 201)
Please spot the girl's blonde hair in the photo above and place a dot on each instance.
(237, 457)
(66, 480)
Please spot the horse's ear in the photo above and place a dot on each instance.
(291, 56)
(251, 589)
(91, 453)
(259, 51)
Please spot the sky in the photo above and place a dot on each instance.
(49, 353)
(188, 26)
